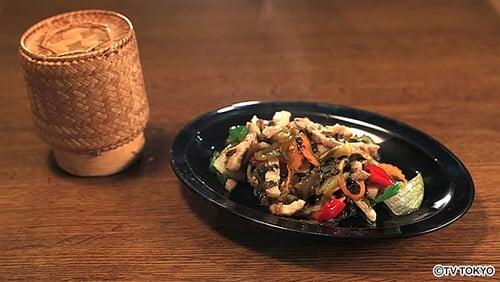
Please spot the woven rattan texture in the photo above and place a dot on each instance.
(91, 105)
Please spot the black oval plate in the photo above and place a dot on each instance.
(449, 190)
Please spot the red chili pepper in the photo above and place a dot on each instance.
(378, 175)
(329, 210)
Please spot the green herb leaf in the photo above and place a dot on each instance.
(236, 134)
(388, 193)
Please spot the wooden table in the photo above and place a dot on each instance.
(432, 64)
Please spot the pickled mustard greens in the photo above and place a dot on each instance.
(313, 171)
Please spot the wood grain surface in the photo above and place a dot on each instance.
(432, 64)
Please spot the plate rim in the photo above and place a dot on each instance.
(193, 183)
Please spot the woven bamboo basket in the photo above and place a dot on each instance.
(86, 89)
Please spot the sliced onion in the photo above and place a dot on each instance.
(409, 198)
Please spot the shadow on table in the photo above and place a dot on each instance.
(417, 254)
(154, 160)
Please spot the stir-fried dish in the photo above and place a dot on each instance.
(313, 171)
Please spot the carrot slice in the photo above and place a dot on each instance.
(306, 149)
(294, 157)
(393, 171)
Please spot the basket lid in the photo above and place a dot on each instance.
(76, 35)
